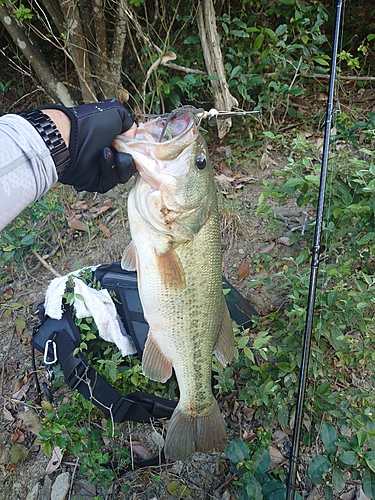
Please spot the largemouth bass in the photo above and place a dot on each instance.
(176, 250)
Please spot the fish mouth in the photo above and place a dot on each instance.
(177, 122)
(163, 144)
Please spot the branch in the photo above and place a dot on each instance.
(52, 85)
(214, 62)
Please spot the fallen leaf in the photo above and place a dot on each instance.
(157, 439)
(243, 270)
(264, 160)
(8, 294)
(104, 229)
(80, 205)
(140, 450)
(278, 436)
(31, 421)
(268, 248)
(21, 393)
(76, 224)
(276, 457)
(55, 461)
(7, 415)
(284, 240)
(18, 436)
(223, 167)
(17, 453)
(106, 206)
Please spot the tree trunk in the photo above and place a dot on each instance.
(224, 101)
(76, 44)
(52, 85)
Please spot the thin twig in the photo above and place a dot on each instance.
(72, 480)
(45, 264)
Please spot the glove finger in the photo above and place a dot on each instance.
(107, 158)
(109, 177)
(125, 166)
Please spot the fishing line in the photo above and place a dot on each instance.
(294, 456)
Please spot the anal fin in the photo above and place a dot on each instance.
(154, 364)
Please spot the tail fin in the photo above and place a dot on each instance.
(188, 434)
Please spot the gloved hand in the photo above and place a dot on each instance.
(94, 165)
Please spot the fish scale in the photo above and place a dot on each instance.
(176, 250)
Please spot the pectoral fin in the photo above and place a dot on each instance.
(170, 269)
(224, 348)
(154, 364)
(129, 258)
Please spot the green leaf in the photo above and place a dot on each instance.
(190, 79)
(237, 451)
(312, 178)
(281, 29)
(274, 490)
(177, 489)
(369, 457)
(338, 480)
(20, 322)
(361, 437)
(251, 487)
(249, 354)
(317, 468)
(258, 42)
(242, 342)
(323, 388)
(261, 461)
(191, 39)
(329, 437)
(241, 34)
(260, 342)
(294, 181)
(368, 483)
(349, 458)
(237, 70)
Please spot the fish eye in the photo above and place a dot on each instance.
(200, 162)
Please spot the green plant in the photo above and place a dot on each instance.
(264, 61)
(341, 454)
(76, 431)
(341, 375)
(33, 229)
(4, 87)
(251, 464)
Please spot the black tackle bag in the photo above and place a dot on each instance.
(58, 339)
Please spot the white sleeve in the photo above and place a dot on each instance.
(27, 170)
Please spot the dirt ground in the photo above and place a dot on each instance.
(244, 235)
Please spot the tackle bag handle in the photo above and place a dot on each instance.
(59, 346)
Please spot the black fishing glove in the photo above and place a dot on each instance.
(94, 166)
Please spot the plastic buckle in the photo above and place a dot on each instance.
(76, 377)
(54, 348)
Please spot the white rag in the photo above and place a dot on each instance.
(95, 303)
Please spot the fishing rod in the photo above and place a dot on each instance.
(294, 455)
